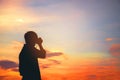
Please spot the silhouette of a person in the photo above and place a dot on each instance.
(28, 57)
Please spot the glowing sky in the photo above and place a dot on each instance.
(82, 37)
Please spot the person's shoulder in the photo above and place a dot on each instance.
(24, 48)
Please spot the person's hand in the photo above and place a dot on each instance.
(39, 41)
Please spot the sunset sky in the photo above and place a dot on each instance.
(81, 37)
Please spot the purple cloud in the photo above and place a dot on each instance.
(51, 62)
(6, 64)
(52, 54)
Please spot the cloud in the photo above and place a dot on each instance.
(108, 39)
(115, 49)
(52, 54)
(11, 3)
(15, 69)
(49, 63)
(7, 64)
(10, 51)
(91, 77)
(2, 77)
(44, 66)
(51, 60)
(8, 74)
(54, 61)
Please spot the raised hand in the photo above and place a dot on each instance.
(39, 41)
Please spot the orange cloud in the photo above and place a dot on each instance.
(108, 39)
(9, 75)
(112, 39)
(115, 49)
(87, 72)
(71, 72)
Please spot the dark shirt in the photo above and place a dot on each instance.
(28, 62)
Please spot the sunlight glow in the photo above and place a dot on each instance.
(20, 20)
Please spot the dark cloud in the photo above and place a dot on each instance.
(15, 69)
(54, 61)
(6, 64)
(50, 63)
(52, 54)
(115, 49)
(44, 66)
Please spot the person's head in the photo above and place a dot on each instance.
(30, 38)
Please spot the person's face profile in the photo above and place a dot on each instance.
(34, 40)
(31, 38)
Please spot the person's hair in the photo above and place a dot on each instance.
(30, 36)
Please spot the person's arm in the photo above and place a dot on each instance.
(40, 53)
